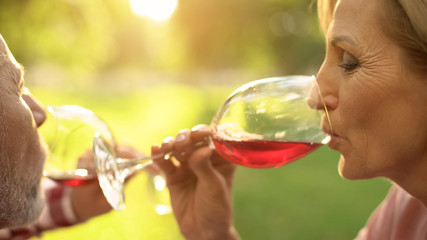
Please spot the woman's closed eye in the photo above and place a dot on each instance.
(349, 62)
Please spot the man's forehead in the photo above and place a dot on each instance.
(10, 70)
(2, 43)
(5, 54)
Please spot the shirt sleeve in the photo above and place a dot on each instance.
(57, 213)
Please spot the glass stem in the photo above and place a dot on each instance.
(127, 167)
(211, 143)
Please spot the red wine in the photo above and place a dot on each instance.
(263, 154)
(72, 179)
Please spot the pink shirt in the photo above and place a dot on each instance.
(57, 213)
(399, 217)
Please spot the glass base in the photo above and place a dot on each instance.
(109, 176)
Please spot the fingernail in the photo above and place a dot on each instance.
(180, 137)
(168, 139)
(199, 127)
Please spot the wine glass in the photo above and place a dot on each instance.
(69, 132)
(263, 124)
(270, 122)
(112, 172)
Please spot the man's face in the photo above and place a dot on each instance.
(21, 153)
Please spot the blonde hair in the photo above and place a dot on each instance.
(404, 21)
(325, 10)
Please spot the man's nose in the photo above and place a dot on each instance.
(39, 112)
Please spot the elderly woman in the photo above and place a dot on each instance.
(374, 82)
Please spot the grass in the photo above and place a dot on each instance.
(303, 200)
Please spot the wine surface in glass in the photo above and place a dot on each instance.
(263, 154)
(72, 179)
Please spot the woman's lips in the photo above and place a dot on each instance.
(326, 127)
(328, 130)
(334, 138)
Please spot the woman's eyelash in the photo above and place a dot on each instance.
(350, 66)
(349, 62)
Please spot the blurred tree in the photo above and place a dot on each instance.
(279, 36)
(66, 33)
(272, 37)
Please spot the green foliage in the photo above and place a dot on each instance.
(262, 37)
(67, 33)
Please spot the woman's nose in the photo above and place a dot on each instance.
(315, 98)
(331, 102)
(39, 112)
(319, 101)
(328, 89)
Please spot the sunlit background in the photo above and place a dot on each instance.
(160, 10)
(153, 67)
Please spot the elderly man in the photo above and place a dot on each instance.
(21, 149)
(22, 211)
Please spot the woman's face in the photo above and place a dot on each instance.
(377, 105)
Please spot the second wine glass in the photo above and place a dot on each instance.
(68, 133)
(72, 131)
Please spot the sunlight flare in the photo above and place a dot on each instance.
(156, 10)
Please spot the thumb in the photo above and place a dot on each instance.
(200, 164)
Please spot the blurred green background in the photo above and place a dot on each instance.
(148, 79)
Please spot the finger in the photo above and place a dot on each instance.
(182, 146)
(158, 158)
(182, 140)
(167, 145)
(188, 141)
(200, 132)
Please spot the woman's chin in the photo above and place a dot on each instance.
(349, 171)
